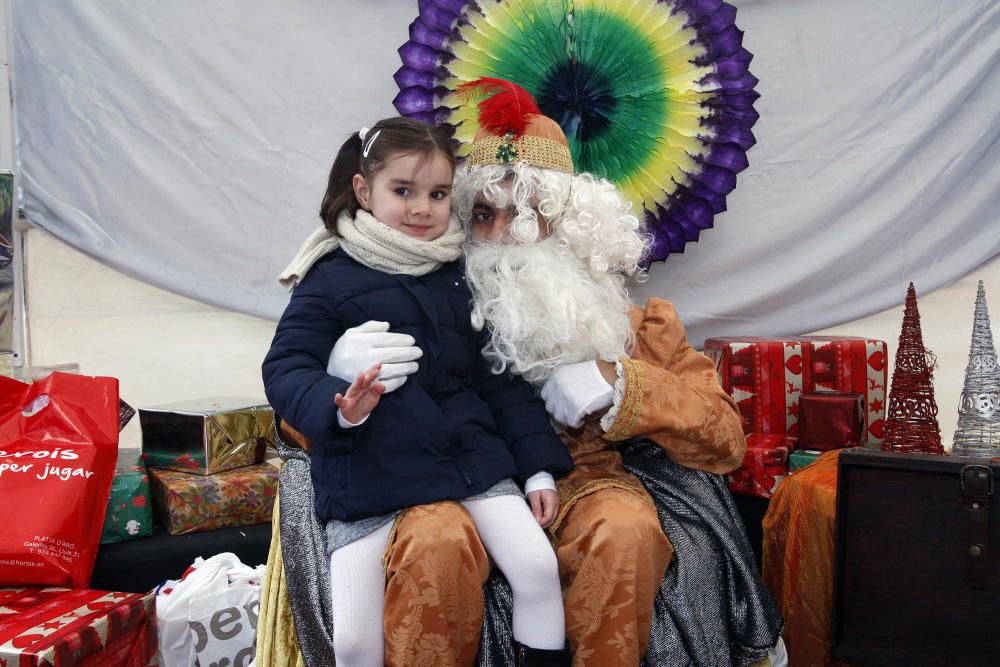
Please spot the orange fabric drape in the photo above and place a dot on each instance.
(798, 559)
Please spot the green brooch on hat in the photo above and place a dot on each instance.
(506, 153)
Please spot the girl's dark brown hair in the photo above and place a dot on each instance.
(396, 136)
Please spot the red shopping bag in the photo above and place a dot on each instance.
(58, 445)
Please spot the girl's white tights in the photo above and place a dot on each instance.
(358, 584)
(519, 547)
(513, 540)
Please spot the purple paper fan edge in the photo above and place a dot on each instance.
(728, 135)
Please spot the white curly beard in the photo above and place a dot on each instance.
(544, 308)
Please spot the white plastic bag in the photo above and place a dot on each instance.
(209, 617)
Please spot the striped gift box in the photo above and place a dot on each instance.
(60, 627)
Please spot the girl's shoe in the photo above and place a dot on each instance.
(525, 656)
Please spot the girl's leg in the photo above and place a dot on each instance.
(358, 585)
(520, 549)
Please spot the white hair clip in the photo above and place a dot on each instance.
(368, 144)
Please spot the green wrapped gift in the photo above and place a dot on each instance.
(800, 458)
(130, 512)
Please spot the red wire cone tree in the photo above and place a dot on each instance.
(911, 424)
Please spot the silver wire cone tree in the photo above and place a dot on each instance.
(978, 432)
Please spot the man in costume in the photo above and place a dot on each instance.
(653, 557)
(548, 257)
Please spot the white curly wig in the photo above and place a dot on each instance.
(585, 214)
(562, 299)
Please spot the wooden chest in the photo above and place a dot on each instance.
(917, 561)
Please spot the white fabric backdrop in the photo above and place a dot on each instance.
(188, 144)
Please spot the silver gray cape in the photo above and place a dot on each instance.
(712, 608)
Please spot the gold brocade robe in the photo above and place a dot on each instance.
(668, 392)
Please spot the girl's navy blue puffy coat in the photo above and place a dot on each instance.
(451, 431)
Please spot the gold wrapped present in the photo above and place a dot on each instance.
(206, 436)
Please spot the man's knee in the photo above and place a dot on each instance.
(635, 527)
(442, 533)
(619, 521)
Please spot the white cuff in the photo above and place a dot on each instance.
(346, 424)
(538, 482)
(608, 420)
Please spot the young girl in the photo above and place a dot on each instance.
(454, 430)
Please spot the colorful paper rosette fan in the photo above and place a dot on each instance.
(655, 96)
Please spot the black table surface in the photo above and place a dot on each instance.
(140, 565)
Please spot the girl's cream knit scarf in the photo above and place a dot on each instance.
(377, 246)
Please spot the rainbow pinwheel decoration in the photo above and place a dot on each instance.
(655, 96)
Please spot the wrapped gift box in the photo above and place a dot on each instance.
(831, 420)
(186, 503)
(130, 508)
(125, 414)
(800, 458)
(764, 465)
(767, 376)
(59, 627)
(206, 436)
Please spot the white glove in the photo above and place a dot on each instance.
(363, 346)
(576, 390)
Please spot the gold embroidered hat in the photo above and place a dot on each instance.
(512, 128)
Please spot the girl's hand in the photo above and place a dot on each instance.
(544, 504)
(362, 396)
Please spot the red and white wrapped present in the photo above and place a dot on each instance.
(61, 627)
(767, 376)
(764, 465)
